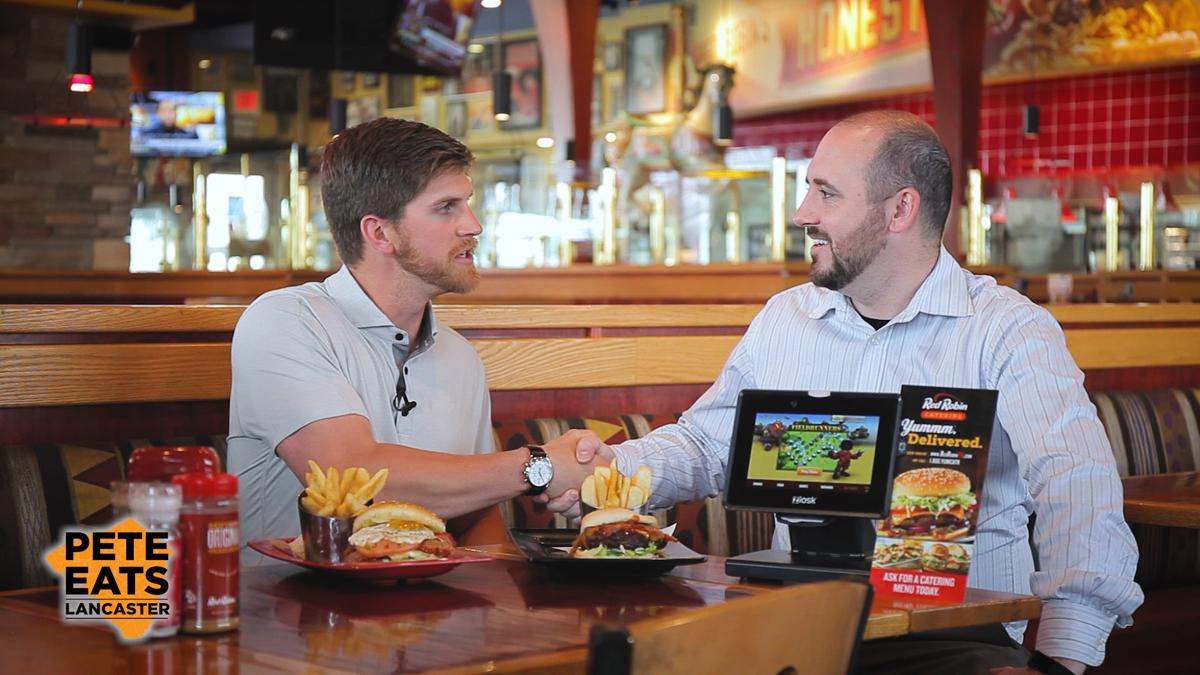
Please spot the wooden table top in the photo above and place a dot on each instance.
(500, 615)
(1170, 499)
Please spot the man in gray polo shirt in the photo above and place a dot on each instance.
(356, 371)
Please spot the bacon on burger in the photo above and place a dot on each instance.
(619, 533)
(931, 503)
(394, 531)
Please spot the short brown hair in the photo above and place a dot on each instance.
(378, 168)
(910, 154)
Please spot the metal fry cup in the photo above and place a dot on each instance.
(326, 539)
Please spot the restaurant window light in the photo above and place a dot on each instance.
(204, 64)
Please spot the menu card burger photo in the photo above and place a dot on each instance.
(924, 548)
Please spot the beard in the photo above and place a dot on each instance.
(861, 247)
(445, 275)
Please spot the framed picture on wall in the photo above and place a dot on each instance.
(370, 80)
(362, 109)
(281, 93)
(612, 55)
(597, 100)
(318, 94)
(402, 91)
(523, 61)
(646, 69)
(614, 96)
(456, 118)
(479, 114)
(478, 68)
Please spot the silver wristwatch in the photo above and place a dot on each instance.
(539, 470)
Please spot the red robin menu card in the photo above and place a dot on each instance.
(924, 547)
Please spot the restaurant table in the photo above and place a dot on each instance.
(1169, 499)
(496, 616)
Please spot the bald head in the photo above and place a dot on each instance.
(908, 153)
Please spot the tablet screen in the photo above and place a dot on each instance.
(797, 453)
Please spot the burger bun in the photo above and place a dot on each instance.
(387, 512)
(614, 514)
(931, 482)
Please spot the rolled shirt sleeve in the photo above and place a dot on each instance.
(1087, 554)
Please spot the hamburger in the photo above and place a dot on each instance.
(931, 503)
(619, 533)
(394, 531)
(950, 559)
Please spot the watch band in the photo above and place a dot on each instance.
(1044, 664)
(536, 452)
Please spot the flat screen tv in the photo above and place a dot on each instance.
(177, 124)
(435, 33)
(372, 36)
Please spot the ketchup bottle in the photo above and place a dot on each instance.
(208, 526)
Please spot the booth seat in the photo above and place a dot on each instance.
(1151, 432)
(47, 486)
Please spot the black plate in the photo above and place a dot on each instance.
(543, 547)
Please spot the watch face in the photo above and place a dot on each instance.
(539, 472)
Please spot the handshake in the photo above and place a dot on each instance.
(578, 455)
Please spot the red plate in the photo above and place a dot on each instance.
(376, 572)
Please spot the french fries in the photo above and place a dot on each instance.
(607, 486)
(340, 494)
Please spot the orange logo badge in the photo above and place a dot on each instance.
(118, 576)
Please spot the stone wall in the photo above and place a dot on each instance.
(65, 190)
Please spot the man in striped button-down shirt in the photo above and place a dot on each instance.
(888, 306)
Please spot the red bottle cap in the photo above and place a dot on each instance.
(206, 484)
(159, 463)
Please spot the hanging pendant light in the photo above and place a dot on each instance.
(502, 95)
(1032, 120)
(79, 57)
(723, 125)
(501, 79)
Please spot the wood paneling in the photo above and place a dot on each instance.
(101, 373)
(605, 362)
(1134, 347)
(175, 318)
(117, 318)
(1108, 313)
(32, 375)
(573, 316)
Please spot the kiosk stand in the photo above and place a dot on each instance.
(822, 548)
(822, 462)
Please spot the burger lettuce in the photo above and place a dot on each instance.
(650, 550)
(965, 500)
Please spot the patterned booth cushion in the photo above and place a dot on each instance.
(704, 526)
(1152, 432)
(49, 486)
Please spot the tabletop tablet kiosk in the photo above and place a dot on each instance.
(823, 463)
